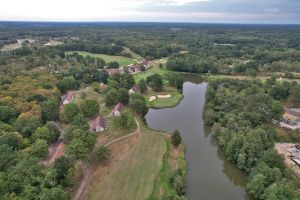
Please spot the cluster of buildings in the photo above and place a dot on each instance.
(99, 123)
(131, 69)
(291, 155)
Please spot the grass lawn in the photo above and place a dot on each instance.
(152, 70)
(162, 103)
(115, 130)
(87, 93)
(133, 175)
(108, 58)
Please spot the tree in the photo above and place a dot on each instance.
(123, 96)
(277, 110)
(26, 124)
(113, 64)
(7, 156)
(175, 80)
(67, 83)
(89, 107)
(280, 191)
(102, 153)
(155, 81)
(295, 95)
(45, 134)
(62, 168)
(111, 97)
(50, 109)
(77, 149)
(138, 104)
(53, 194)
(125, 121)
(176, 138)
(14, 140)
(70, 111)
(257, 185)
(7, 114)
(278, 91)
(143, 86)
(39, 148)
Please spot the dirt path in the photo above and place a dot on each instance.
(88, 167)
(56, 150)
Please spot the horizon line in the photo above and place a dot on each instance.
(162, 22)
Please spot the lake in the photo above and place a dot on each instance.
(209, 175)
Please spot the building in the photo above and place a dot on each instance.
(68, 98)
(113, 71)
(118, 109)
(133, 68)
(134, 89)
(291, 116)
(98, 124)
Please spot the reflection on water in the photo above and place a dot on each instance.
(209, 175)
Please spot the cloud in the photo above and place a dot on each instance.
(153, 10)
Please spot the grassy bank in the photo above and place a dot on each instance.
(173, 161)
(123, 61)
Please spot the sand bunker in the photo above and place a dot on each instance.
(152, 98)
(165, 96)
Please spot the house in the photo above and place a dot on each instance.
(291, 116)
(68, 98)
(289, 119)
(134, 89)
(112, 71)
(98, 124)
(133, 68)
(118, 109)
(144, 63)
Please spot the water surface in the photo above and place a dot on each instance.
(209, 175)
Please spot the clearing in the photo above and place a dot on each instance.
(132, 170)
(87, 93)
(123, 61)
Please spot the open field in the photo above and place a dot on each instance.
(132, 170)
(123, 61)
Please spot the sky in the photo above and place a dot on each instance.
(198, 11)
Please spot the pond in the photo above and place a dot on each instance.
(209, 175)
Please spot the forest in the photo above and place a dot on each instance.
(240, 114)
(34, 77)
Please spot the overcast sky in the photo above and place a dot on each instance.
(228, 11)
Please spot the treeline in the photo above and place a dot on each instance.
(240, 113)
(192, 64)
